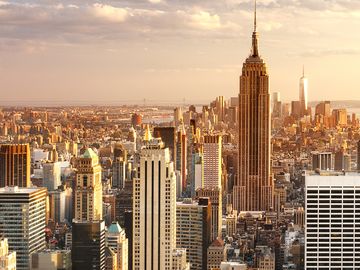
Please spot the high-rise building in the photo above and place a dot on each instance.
(303, 95)
(215, 196)
(88, 191)
(276, 105)
(51, 260)
(322, 161)
(154, 208)
(117, 241)
(216, 254)
(193, 221)
(323, 108)
(15, 165)
(168, 136)
(51, 175)
(181, 156)
(119, 167)
(7, 258)
(253, 190)
(331, 226)
(22, 221)
(212, 161)
(340, 117)
(88, 228)
(179, 259)
(57, 205)
(88, 245)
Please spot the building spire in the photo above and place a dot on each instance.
(255, 50)
(255, 22)
(303, 70)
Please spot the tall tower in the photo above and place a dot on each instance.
(15, 165)
(303, 94)
(253, 190)
(88, 191)
(88, 228)
(154, 208)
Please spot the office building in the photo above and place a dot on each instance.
(22, 221)
(193, 230)
(88, 190)
(51, 260)
(253, 190)
(168, 136)
(15, 165)
(51, 175)
(332, 206)
(117, 241)
(7, 258)
(322, 161)
(88, 227)
(88, 245)
(215, 196)
(181, 156)
(323, 108)
(303, 95)
(216, 254)
(154, 208)
(179, 259)
(212, 161)
(119, 167)
(57, 205)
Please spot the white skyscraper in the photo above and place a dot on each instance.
(332, 237)
(303, 95)
(154, 208)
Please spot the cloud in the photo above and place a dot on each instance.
(110, 13)
(157, 1)
(205, 20)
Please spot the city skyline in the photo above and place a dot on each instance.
(53, 51)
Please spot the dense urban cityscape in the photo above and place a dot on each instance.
(247, 182)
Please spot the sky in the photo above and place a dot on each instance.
(173, 50)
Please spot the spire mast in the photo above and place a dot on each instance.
(255, 19)
(255, 50)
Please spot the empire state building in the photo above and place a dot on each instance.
(253, 189)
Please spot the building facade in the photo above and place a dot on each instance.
(22, 221)
(154, 209)
(332, 204)
(253, 190)
(15, 165)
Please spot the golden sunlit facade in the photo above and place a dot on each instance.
(253, 190)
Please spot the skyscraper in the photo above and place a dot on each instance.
(22, 221)
(212, 154)
(253, 190)
(15, 165)
(303, 94)
(88, 230)
(119, 167)
(154, 207)
(193, 222)
(117, 241)
(88, 191)
(52, 175)
(331, 210)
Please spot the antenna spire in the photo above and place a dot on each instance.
(303, 70)
(255, 20)
(255, 49)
